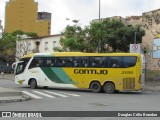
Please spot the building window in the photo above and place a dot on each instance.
(29, 47)
(54, 44)
(46, 46)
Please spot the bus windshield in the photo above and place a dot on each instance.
(21, 65)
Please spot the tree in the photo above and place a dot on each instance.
(114, 34)
(73, 39)
(8, 44)
(76, 38)
(111, 33)
(31, 34)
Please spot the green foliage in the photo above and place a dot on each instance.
(58, 49)
(31, 34)
(75, 21)
(74, 38)
(115, 34)
(17, 32)
(8, 44)
(108, 32)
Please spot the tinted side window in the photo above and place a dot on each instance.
(129, 61)
(36, 62)
(76, 62)
(115, 62)
(60, 62)
(105, 61)
(97, 62)
(84, 62)
(69, 62)
(49, 62)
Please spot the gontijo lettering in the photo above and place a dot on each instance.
(90, 71)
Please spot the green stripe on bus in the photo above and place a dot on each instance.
(63, 76)
(51, 75)
(57, 75)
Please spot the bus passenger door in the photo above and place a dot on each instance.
(35, 72)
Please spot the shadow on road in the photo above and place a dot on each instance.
(87, 90)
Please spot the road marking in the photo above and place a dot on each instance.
(32, 95)
(71, 94)
(50, 96)
(56, 93)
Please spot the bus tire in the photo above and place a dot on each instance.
(109, 87)
(95, 87)
(33, 84)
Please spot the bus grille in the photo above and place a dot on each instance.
(128, 83)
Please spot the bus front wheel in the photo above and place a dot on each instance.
(33, 84)
(95, 87)
(109, 87)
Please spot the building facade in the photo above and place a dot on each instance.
(23, 15)
(35, 45)
(151, 40)
(133, 20)
(44, 16)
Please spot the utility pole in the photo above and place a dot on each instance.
(99, 26)
(99, 10)
(135, 37)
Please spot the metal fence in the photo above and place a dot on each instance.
(6, 67)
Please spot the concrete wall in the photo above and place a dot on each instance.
(151, 24)
(133, 20)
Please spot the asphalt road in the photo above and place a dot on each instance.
(52, 99)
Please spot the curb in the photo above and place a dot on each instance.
(7, 77)
(11, 99)
(4, 92)
(154, 89)
(9, 95)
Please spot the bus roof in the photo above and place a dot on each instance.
(29, 55)
(80, 54)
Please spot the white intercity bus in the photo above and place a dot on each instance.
(109, 72)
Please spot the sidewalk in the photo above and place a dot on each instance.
(10, 95)
(152, 86)
(7, 76)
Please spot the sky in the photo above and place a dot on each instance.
(87, 10)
